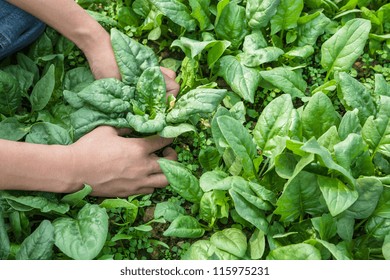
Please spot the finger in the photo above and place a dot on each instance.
(157, 180)
(168, 72)
(123, 131)
(169, 153)
(155, 143)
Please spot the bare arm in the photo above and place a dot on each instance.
(111, 164)
(73, 22)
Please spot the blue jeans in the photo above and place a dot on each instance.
(18, 29)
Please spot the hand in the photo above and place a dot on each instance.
(115, 166)
(171, 85)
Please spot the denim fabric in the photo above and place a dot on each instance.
(18, 29)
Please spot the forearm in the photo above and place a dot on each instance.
(35, 167)
(68, 18)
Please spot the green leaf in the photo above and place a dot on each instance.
(381, 86)
(318, 116)
(286, 16)
(325, 225)
(376, 131)
(205, 250)
(10, 96)
(334, 250)
(107, 95)
(132, 57)
(349, 124)
(5, 245)
(243, 80)
(256, 244)
(44, 203)
(378, 227)
(383, 206)
(299, 251)
(177, 12)
(181, 180)
(231, 240)
(43, 90)
(286, 80)
(232, 25)
(275, 121)
(194, 102)
(209, 158)
(184, 227)
(302, 195)
(248, 211)
(84, 237)
(49, 134)
(352, 154)
(355, 95)
(338, 197)
(240, 141)
(77, 197)
(369, 190)
(201, 12)
(214, 205)
(12, 129)
(146, 124)
(171, 131)
(260, 56)
(168, 210)
(341, 50)
(151, 91)
(309, 31)
(386, 248)
(77, 79)
(260, 12)
(326, 159)
(38, 245)
(209, 179)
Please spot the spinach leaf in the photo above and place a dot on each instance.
(5, 245)
(297, 200)
(318, 116)
(84, 237)
(10, 97)
(196, 101)
(340, 51)
(275, 121)
(286, 16)
(260, 12)
(242, 79)
(184, 227)
(232, 25)
(132, 57)
(177, 12)
(43, 90)
(38, 245)
(299, 251)
(231, 240)
(181, 180)
(286, 80)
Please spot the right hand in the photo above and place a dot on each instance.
(115, 166)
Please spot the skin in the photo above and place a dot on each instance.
(114, 166)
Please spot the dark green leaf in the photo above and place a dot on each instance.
(10, 96)
(43, 90)
(38, 245)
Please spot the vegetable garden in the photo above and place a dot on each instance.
(282, 129)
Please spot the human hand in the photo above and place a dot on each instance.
(115, 166)
(171, 85)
